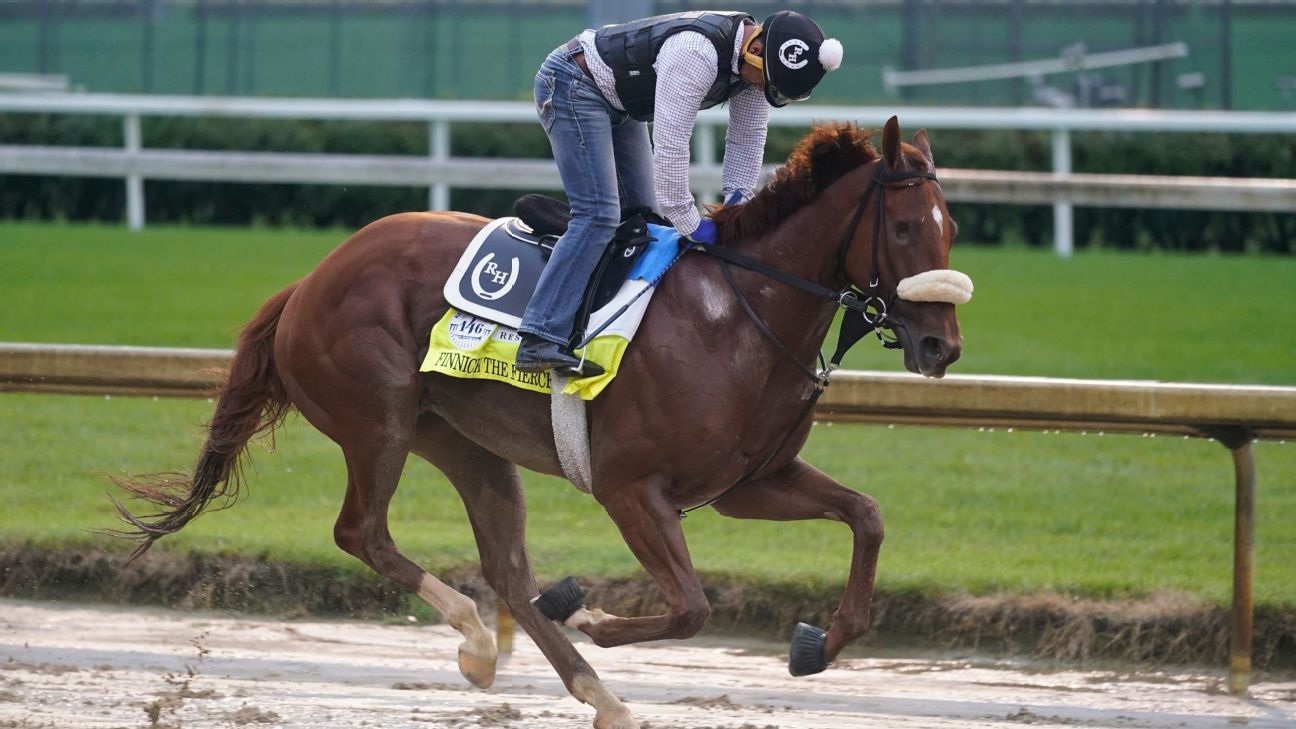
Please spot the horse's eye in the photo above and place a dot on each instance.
(902, 233)
(954, 237)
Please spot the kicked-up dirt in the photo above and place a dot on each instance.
(77, 667)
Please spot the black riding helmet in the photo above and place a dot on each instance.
(796, 56)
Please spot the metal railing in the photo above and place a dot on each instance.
(27, 83)
(1234, 415)
(1061, 188)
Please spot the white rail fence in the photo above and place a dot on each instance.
(1074, 58)
(441, 172)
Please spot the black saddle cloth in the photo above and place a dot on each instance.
(549, 218)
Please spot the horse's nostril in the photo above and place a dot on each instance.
(932, 350)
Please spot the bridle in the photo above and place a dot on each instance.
(866, 309)
(869, 303)
(872, 298)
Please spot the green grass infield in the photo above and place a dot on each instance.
(1097, 515)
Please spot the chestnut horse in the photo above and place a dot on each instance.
(702, 400)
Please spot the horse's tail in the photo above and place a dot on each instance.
(251, 402)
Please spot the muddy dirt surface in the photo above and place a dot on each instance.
(77, 667)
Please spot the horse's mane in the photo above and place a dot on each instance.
(824, 156)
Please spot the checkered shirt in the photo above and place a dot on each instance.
(686, 68)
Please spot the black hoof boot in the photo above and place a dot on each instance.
(807, 654)
(560, 601)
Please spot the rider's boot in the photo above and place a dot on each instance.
(536, 354)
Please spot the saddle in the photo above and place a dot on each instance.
(498, 273)
(549, 217)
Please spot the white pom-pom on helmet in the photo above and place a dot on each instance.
(796, 56)
(830, 54)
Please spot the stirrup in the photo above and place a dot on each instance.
(585, 368)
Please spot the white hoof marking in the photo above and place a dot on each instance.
(477, 654)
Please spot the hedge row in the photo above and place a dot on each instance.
(353, 206)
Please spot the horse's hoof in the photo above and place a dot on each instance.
(560, 601)
(617, 719)
(807, 654)
(479, 670)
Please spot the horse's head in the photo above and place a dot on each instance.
(899, 254)
(892, 242)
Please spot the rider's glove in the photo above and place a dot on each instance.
(705, 233)
(735, 198)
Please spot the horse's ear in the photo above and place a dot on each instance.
(923, 144)
(891, 144)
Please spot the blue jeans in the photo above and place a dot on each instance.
(605, 160)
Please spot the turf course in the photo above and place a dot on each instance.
(1111, 515)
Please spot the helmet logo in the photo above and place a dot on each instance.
(793, 53)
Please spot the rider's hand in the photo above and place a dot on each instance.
(735, 198)
(705, 233)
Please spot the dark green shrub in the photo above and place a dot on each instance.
(353, 206)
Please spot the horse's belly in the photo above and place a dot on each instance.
(513, 424)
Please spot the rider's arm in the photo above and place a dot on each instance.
(686, 68)
(745, 141)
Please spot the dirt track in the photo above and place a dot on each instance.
(78, 667)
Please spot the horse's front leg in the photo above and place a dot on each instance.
(651, 529)
(801, 491)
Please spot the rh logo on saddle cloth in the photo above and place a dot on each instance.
(489, 290)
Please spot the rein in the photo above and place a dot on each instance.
(869, 304)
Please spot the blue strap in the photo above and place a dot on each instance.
(659, 255)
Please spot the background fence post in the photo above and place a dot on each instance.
(1063, 233)
(1243, 566)
(439, 148)
(704, 153)
(134, 182)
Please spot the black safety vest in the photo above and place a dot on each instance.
(630, 50)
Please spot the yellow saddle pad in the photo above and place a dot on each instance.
(463, 345)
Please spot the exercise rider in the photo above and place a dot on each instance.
(595, 95)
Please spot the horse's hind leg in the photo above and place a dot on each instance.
(650, 526)
(492, 494)
(375, 461)
(800, 491)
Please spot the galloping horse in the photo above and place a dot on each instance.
(708, 405)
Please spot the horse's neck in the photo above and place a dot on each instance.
(805, 245)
